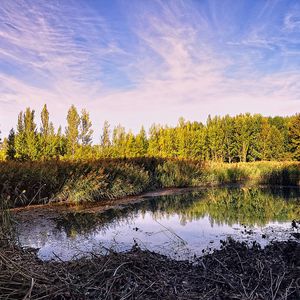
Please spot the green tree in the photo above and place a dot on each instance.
(154, 140)
(26, 140)
(130, 147)
(141, 143)
(72, 130)
(271, 142)
(47, 136)
(10, 150)
(247, 136)
(86, 131)
(215, 139)
(119, 141)
(45, 121)
(294, 136)
(105, 143)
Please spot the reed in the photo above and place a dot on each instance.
(26, 183)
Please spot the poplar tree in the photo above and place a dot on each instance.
(72, 130)
(105, 137)
(20, 143)
(154, 138)
(294, 136)
(10, 150)
(119, 141)
(141, 143)
(105, 143)
(31, 134)
(44, 134)
(130, 147)
(45, 121)
(26, 140)
(86, 130)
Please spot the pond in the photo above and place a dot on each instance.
(180, 225)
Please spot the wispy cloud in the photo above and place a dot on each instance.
(162, 60)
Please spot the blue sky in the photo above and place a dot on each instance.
(139, 62)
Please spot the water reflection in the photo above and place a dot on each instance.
(179, 225)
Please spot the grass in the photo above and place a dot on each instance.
(262, 172)
(25, 183)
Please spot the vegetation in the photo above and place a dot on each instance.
(42, 165)
(241, 138)
(39, 182)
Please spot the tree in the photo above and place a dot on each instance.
(141, 143)
(46, 135)
(31, 134)
(26, 140)
(86, 131)
(154, 137)
(45, 121)
(119, 141)
(271, 142)
(130, 149)
(105, 148)
(72, 131)
(229, 145)
(215, 139)
(105, 137)
(247, 136)
(294, 136)
(10, 150)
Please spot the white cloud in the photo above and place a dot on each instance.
(176, 67)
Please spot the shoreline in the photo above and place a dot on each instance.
(237, 271)
(106, 204)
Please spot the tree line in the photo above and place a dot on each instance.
(240, 138)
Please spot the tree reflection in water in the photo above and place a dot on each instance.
(251, 206)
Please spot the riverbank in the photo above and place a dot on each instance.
(29, 183)
(235, 272)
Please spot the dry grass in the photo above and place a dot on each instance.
(235, 272)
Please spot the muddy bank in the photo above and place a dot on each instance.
(235, 272)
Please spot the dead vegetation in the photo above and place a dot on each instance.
(235, 272)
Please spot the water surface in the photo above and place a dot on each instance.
(176, 225)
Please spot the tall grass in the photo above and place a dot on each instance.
(262, 172)
(68, 181)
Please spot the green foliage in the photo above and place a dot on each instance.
(241, 138)
(294, 135)
(72, 130)
(26, 141)
(10, 149)
(86, 131)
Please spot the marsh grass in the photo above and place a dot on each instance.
(262, 172)
(25, 183)
(7, 232)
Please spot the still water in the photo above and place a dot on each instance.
(180, 226)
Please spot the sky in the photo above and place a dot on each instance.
(140, 62)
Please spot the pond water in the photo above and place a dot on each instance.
(181, 225)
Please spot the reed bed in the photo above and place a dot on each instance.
(26, 183)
